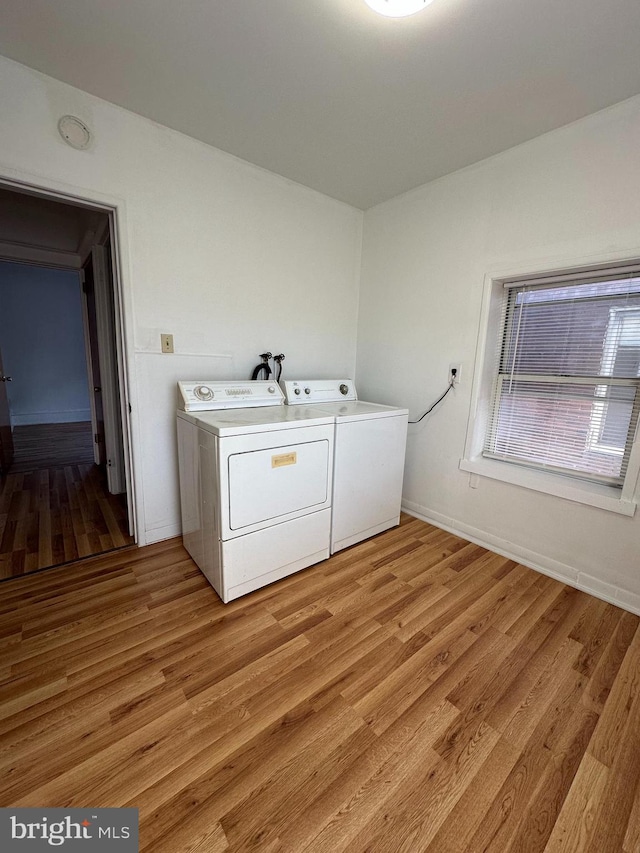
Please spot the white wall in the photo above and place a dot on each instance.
(229, 258)
(42, 343)
(232, 259)
(569, 196)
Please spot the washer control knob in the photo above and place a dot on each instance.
(296, 391)
(344, 389)
(307, 390)
(203, 392)
(271, 389)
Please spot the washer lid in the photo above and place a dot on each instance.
(264, 419)
(356, 410)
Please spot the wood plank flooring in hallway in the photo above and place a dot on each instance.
(54, 503)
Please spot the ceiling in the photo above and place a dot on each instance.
(329, 94)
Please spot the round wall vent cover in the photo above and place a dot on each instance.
(74, 132)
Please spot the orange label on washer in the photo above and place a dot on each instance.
(284, 459)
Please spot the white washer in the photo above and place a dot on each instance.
(255, 483)
(368, 470)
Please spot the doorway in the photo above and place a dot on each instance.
(65, 488)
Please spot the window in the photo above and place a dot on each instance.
(567, 390)
(557, 406)
(621, 358)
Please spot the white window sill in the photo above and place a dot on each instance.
(592, 494)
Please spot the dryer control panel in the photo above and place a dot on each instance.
(206, 395)
(319, 390)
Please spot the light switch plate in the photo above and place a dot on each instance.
(166, 343)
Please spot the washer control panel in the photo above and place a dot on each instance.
(204, 395)
(318, 390)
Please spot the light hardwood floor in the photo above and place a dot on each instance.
(414, 693)
(54, 503)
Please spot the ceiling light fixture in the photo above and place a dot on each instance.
(397, 8)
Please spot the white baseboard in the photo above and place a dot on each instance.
(539, 562)
(67, 417)
(159, 534)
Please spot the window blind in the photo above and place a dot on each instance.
(567, 376)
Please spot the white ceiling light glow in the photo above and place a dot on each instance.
(397, 8)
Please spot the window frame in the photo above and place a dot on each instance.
(614, 498)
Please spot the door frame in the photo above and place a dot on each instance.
(123, 314)
(6, 438)
(91, 373)
(108, 366)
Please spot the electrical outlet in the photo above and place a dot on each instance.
(456, 378)
(166, 343)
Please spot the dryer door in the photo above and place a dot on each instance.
(278, 482)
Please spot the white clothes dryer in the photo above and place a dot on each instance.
(255, 483)
(368, 470)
